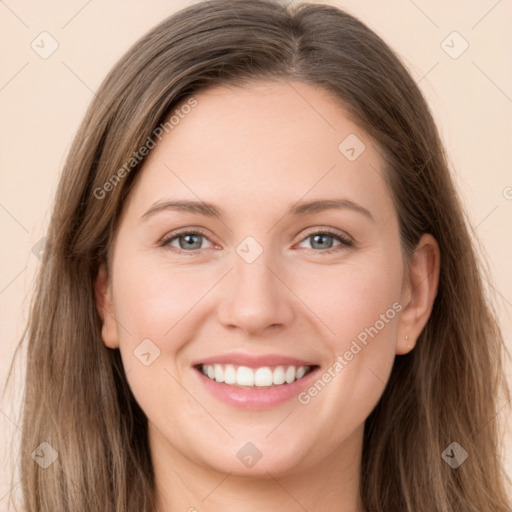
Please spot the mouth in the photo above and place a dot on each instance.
(254, 381)
(258, 378)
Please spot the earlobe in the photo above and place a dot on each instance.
(420, 290)
(105, 307)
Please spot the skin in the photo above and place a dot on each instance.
(252, 152)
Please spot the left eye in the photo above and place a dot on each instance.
(189, 241)
(318, 238)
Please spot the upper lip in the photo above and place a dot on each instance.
(253, 361)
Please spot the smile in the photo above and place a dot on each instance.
(262, 377)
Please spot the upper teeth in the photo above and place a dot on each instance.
(256, 377)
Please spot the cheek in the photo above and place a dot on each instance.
(356, 300)
(367, 310)
(150, 299)
(359, 310)
(154, 308)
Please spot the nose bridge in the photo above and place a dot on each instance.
(256, 297)
(255, 279)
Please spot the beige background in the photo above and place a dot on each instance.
(43, 100)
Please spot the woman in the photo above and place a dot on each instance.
(252, 370)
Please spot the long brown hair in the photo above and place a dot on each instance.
(446, 390)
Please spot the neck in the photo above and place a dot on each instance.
(331, 486)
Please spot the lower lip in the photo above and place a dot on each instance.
(256, 398)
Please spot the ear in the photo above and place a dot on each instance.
(418, 293)
(105, 307)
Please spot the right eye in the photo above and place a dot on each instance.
(188, 241)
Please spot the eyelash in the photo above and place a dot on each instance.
(345, 241)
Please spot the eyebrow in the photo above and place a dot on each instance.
(297, 209)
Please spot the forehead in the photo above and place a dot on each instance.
(262, 145)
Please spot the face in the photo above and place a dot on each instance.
(290, 285)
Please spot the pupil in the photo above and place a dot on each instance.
(317, 237)
(190, 240)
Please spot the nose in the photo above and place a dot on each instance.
(256, 297)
